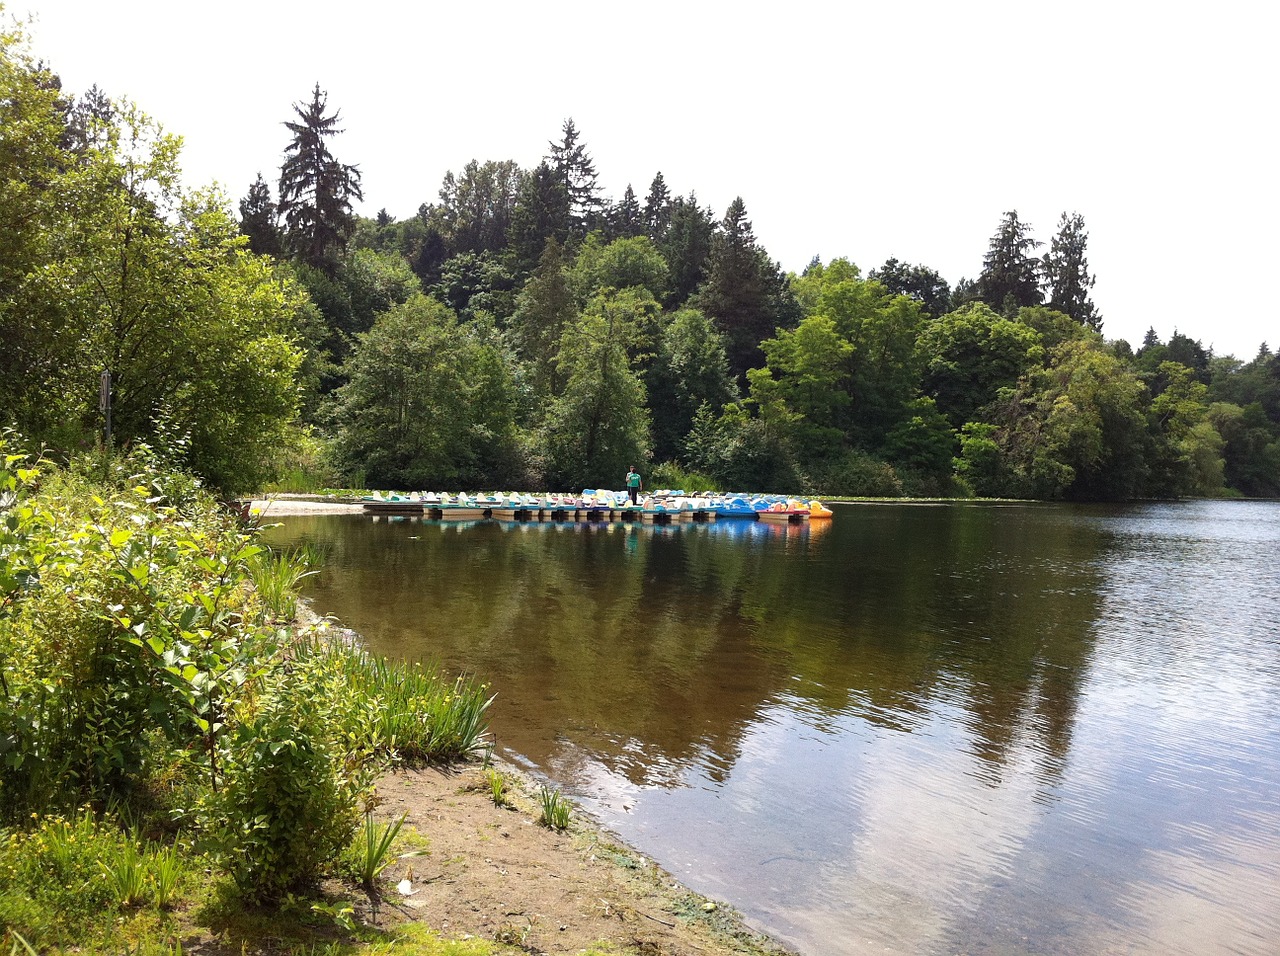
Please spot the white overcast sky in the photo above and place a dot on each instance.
(864, 130)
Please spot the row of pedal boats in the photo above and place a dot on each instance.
(600, 504)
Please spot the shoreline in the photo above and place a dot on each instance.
(480, 868)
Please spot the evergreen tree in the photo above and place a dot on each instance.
(476, 206)
(625, 220)
(687, 233)
(544, 308)
(657, 209)
(541, 213)
(576, 172)
(315, 189)
(1010, 276)
(742, 292)
(1066, 272)
(259, 222)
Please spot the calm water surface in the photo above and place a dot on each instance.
(919, 729)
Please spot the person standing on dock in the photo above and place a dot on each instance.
(634, 484)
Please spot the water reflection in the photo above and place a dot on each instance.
(922, 729)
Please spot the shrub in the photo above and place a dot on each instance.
(294, 777)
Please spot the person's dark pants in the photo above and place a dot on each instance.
(633, 491)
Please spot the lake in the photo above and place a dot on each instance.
(918, 728)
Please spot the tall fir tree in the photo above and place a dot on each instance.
(657, 209)
(743, 291)
(687, 235)
(576, 172)
(625, 220)
(315, 189)
(1010, 276)
(1066, 272)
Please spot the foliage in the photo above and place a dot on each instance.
(1066, 273)
(1010, 276)
(497, 786)
(745, 292)
(315, 189)
(921, 283)
(856, 474)
(669, 474)
(370, 853)
(969, 354)
(622, 264)
(1074, 429)
(689, 370)
(544, 308)
(555, 809)
(600, 424)
(430, 403)
(112, 266)
(419, 717)
(140, 669)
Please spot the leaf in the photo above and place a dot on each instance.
(120, 537)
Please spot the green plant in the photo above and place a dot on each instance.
(670, 475)
(19, 941)
(276, 577)
(419, 717)
(166, 870)
(497, 786)
(372, 848)
(555, 809)
(295, 772)
(126, 872)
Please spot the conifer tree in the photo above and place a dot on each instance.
(625, 220)
(315, 189)
(1010, 276)
(259, 222)
(1066, 272)
(541, 213)
(657, 209)
(576, 172)
(743, 291)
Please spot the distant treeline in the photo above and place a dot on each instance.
(523, 331)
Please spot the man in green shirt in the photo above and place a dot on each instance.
(634, 484)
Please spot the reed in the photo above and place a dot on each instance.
(419, 715)
(555, 809)
(370, 853)
(277, 575)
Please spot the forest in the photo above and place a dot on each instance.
(522, 330)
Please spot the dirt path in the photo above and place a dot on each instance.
(494, 872)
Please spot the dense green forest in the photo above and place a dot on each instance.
(524, 331)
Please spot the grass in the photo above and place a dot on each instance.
(421, 717)
(555, 809)
(370, 853)
(497, 787)
(276, 576)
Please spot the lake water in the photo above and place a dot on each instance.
(916, 729)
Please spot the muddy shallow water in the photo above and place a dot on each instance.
(919, 729)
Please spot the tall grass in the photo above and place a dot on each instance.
(419, 715)
(276, 576)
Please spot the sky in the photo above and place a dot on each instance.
(858, 130)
